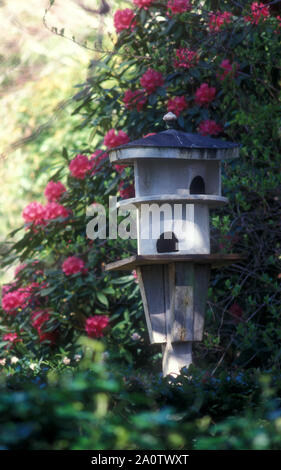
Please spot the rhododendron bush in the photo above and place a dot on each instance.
(217, 67)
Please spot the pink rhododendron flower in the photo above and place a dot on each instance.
(34, 213)
(39, 318)
(179, 6)
(134, 99)
(259, 11)
(185, 58)
(177, 105)
(11, 337)
(113, 139)
(126, 191)
(124, 19)
(55, 210)
(54, 190)
(95, 325)
(218, 19)
(7, 287)
(204, 94)
(229, 70)
(134, 273)
(209, 127)
(96, 160)
(79, 166)
(14, 300)
(151, 80)
(143, 3)
(73, 265)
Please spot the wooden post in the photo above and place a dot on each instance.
(175, 357)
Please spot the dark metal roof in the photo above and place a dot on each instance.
(178, 139)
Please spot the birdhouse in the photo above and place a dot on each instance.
(177, 182)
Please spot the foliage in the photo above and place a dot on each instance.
(100, 407)
(228, 74)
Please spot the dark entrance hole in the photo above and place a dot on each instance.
(167, 243)
(197, 186)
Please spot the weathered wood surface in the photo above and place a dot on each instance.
(216, 260)
(155, 300)
(201, 281)
(175, 356)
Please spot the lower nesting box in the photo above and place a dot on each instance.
(174, 297)
(174, 290)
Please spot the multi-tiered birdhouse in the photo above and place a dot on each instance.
(177, 181)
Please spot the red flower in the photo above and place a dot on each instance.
(50, 336)
(229, 69)
(54, 190)
(123, 19)
(236, 311)
(126, 191)
(14, 300)
(95, 325)
(79, 166)
(218, 19)
(7, 287)
(97, 159)
(134, 99)
(11, 337)
(151, 80)
(259, 11)
(73, 265)
(204, 94)
(143, 3)
(209, 127)
(34, 213)
(179, 6)
(55, 210)
(177, 105)
(39, 318)
(186, 58)
(113, 139)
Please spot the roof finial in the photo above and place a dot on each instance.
(170, 119)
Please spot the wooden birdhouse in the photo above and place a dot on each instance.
(177, 181)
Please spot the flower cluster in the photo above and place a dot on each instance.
(151, 80)
(11, 337)
(113, 139)
(95, 325)
(209, 127)
(54, 190)
(143, 3)
(260, 11)
(73, 265)
(34, 213)
(185, 58)
(205, 94)
(79, 166)
(14, 300)
(124, 19)
(219, 19)
(55, 210)
(177, 105)
(134, 99)
(229, 70)
(178, 6)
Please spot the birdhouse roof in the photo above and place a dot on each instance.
(181, 144)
